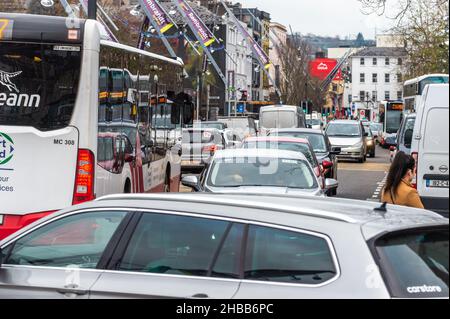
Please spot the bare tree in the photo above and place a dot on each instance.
(424, 27)
(297, 85)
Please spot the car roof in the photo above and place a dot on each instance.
(345, 122)
(259, 153)
(282, 210)
(277, 139)
(297, 130)
(207, 129)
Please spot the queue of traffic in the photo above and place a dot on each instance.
(260, 222)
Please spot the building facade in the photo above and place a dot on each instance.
(377, 75)
(278, 36)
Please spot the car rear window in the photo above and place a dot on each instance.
(415, 263)
(202, 137)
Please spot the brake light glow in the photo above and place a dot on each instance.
(84, 179)
(210, 149)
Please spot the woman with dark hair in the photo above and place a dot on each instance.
(398, 189)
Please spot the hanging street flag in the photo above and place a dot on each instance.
(256, 48)
(153, 10)
(144, 28)
(206, 36)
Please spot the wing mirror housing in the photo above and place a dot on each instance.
(330, 185)
(191, 182)
(336, 150)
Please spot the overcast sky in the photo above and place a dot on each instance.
(322, 17)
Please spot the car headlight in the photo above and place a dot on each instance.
(358, 145)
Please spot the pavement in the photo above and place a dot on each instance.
(359, 181)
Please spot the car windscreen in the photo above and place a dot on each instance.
(317, 141)
(259, 171)
(344, 130)
(284, 146)
(38, 84)
(278, 119)
(415, 263)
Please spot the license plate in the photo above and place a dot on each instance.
(437, 184)
(1, 220)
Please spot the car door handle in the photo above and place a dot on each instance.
(72, 291)
(200, 296)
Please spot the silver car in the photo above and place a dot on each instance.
(260, 171)
(228, 246)
(350, 137)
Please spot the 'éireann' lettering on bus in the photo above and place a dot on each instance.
(14, 97)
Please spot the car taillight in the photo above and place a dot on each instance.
(84, 179)
(415, 155)
(210, 149)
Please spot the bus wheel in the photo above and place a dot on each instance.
(127, 188)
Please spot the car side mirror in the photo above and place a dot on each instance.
(408, 138)
(336, 150)
(366, 134)
(191, 182)
(330, 185)
(129, 158)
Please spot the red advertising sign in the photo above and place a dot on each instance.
(321, 68)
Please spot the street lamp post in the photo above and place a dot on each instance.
(92, 9)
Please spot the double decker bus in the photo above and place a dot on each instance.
(413, 89)
(391, 116)
(82, 117)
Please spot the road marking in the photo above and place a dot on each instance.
(376, 195)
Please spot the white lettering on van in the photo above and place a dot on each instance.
(20, 100)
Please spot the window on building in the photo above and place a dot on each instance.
(387, 95)
(387, 78)
(399, 78)
(400, 61)
(375, 61)
(374, 96)
(362, 61)
(375, 78)
(399, 95)
(387, 61)
(362, 78)
(362, 96)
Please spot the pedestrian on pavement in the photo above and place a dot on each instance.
(398, 189)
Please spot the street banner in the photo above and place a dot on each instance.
(153, 10)
(256, 48)
(204, 34)
(144, 28)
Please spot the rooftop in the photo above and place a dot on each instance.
(381, 52)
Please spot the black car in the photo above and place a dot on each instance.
(325, 153)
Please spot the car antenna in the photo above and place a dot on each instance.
(382, 209)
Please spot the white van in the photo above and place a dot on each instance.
(430, 148)
(280, 117)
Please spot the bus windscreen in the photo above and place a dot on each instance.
(38, 84)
